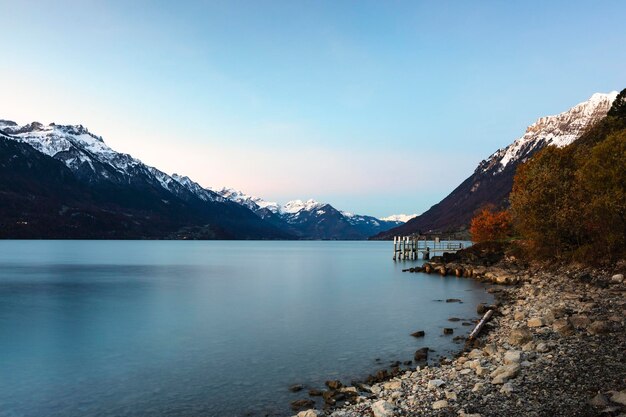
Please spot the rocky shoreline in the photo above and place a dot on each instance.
(556, 346)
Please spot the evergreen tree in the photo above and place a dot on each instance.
(618, 109)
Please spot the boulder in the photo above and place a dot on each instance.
(512, 357)
(392, 385)
(504, 279)
(334, 384)
(563, 327)
(419, 333)
(296, 388)
(302, 403)
(315, 392)
(505, 372)
(507, 388)
(382, 408)
(535, 322)
(599, 401)
(478, 386)
(435, 383)
(617, 278)
(520, 336)
(438, 405)
(421, 354)
(598, 327)
(309, 413)
(619, 397)
(580, 321)
(448, 330)
(475, 354)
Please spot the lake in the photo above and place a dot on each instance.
(207, 328)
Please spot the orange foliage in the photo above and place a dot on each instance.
(490, 225)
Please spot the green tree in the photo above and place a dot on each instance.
(618, 109)
(601, 179)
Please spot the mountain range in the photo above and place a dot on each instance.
(60, 181)
(492, 181)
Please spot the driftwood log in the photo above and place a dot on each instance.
(480, 325)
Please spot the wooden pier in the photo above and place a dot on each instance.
(410, 247)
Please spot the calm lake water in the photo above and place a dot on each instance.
(175, 328)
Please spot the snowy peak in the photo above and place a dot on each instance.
(196, 189)
(558, 130)
(402, 218)
(311, 219)
(95, 162)
(253, 203)
(296, 206)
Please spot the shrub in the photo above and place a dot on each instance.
(490, 225)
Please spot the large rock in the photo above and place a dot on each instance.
(521, 336)
(421, 354)
(580, 321)
(334, 384)
(505, 372)
(438, 405)
(619, 397)
(302, 403)
(617, 278)
(512, 357)
(382, 409)
(563, 327)
(598, 327)
(599, 401)
(435, 383)
(535, 322)
(309, 413)
(392, 385)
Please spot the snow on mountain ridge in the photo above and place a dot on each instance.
(399, 217)
(559, 130)
(87, 154)
(296, 206)
(252, 202)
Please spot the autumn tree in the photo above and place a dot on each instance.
(490, 225)
(542, 202)
(570, 203)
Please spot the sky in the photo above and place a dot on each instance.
(377, 107)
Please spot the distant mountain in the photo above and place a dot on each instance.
(311, 219)
(403, 218)
(125, 198)
(492, 181)
(74, 185)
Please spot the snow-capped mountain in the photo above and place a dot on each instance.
(402, 218)
(93, 161)
(128, 181)
(558, 130)
(310, 219)
(163, 204)
(256, 204)
(492, 181)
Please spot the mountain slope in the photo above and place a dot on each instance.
(136, 200)
(311, 219)
(492, 181)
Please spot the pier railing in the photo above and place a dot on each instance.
(410, 247)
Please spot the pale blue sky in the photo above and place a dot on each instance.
(378, 107)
